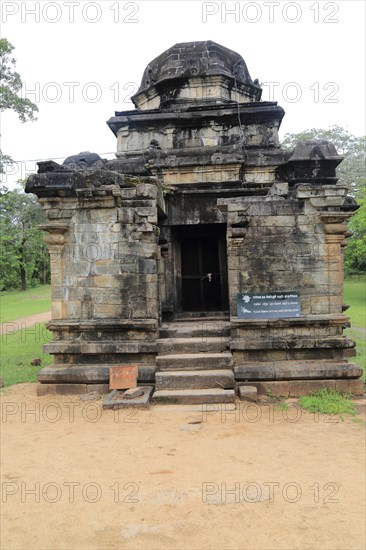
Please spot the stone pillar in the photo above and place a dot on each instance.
(55, 238)
(323, 206)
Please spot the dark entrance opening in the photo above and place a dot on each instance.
(201, 269)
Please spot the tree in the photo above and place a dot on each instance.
(351, 172)
(23, 254)
(10, 88)
(355, 253)
(4, 160)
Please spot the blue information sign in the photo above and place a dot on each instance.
(268, 305)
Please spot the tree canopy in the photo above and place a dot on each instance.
(11, 85)
(355, 253)
(24, 258)
(10, 92)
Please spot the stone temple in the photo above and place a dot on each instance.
(204, 253)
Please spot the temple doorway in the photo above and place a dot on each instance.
(201, 269)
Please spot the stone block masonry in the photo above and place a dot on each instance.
(200, 205)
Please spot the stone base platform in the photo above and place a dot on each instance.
(297, 388)
(91, 374)
(280, 388)
(70, 389)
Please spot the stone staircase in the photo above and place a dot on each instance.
(194, 365)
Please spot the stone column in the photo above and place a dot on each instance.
(323, 206)
(56, 240)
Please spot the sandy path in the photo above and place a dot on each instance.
(360, 330)
(24, 322)
(152, 480)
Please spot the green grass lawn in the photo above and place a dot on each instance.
(19, 349)
(355, 295)
(15, 304)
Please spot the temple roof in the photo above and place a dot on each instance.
(189, 59)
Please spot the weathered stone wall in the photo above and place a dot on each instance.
(290, 241)
(103, 242)
(202, 145)
(200, 133)
(104, 254)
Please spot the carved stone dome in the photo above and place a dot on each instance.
(188, 60)
(85, 158)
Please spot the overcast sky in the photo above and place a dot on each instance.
(80, 61)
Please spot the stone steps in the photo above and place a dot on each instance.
(194, 361)
(194, 396)
(195, 329)
(201, 344)
(194, 365)
(204, 379)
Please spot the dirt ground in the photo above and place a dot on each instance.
(77, 477)
(24, 322)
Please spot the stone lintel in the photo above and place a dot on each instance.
(201, 174)
(272, 206)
